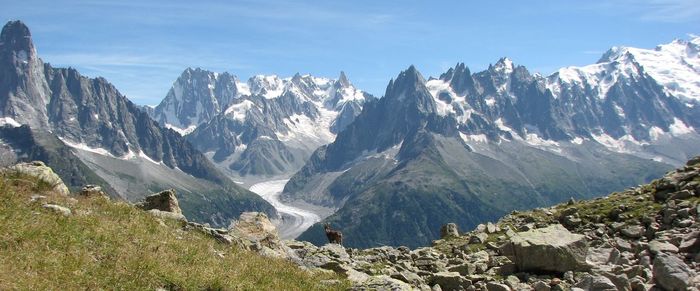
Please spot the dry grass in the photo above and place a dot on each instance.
(111, 245)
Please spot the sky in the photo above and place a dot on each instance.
(143, 46)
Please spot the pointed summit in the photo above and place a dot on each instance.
(504, 65)
(343, 80)
(16, 40)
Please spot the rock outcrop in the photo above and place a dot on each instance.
(41, 172)
(163, 201)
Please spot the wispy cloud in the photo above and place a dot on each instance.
(669, 11)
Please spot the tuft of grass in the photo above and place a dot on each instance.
(113, 245)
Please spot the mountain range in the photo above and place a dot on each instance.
(91, 133)
(265, 127)
(470, 147)
(462, 147)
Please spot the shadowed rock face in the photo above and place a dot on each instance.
(163, 201)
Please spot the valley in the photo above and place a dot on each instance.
(293, 220)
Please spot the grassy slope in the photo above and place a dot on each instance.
(108, 245)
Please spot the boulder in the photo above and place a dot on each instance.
(449, 280)
(449, 230)
(633, 231)
(494, 286)
(163, 201)
(92, 191)
(656, 247)
(671, 273)
(167, 215)
(591, 282)
(478, 238)
(382, 282)
(65, 211)
(259, 234)
(550, 249)
(41, 172)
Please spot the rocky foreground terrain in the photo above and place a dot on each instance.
(643, 238)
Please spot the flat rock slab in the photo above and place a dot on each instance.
(550, 249)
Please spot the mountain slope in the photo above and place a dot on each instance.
(478, 145)
(115, 139)
(404, 168)
(267, 126)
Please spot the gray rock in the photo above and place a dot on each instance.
(633, 231)
(449, 230)
(92, 191)
(449, 280)
(671, 273)
(684, 194)
(167, 215)
(478, 238)
(493, 286)
(591, 282)
(65, 211)
(383, 283)
(552, 249)
(163, 201)
(464, 269)
(492, 228)
(540, 286)
(41, 172)
(656, 247)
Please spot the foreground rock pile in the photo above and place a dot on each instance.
(644, 238)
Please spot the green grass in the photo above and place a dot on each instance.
(112, 245)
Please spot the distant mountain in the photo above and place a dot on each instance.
(470, 147)
(267, 126)
(109, 137)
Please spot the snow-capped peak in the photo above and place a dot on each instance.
(504, 65)
(675, 66)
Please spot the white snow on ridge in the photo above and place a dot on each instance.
(9, 121)
(482, 138)
(675, 66)
(240, 110)
(678, 127)
(181, 131)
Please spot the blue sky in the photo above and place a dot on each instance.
(143, 46)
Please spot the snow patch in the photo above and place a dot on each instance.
(482, 138)
(577, 140)
(679, 127)
(9, 121)
(23, 57)
(239, 111)
(181, 131)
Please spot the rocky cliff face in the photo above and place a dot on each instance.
(112, 136)
(267, 126)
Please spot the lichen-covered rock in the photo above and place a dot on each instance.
(163, 201)
(257, 233)
(40, 171)
(550, 249)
